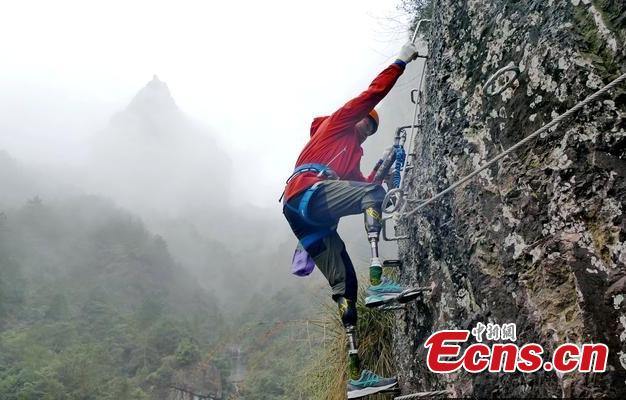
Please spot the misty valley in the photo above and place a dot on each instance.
(135, 278)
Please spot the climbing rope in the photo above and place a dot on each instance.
(424, 394)
(538, 132)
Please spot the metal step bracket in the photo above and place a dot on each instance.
(384, 229)
(392, 264)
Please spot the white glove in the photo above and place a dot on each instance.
(408, 52)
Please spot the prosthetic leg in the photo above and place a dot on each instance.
(362, 382)
(347, 308)
(373, 225)
(348, 315)
(354, 363)
(382, 292)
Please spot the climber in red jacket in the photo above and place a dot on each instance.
(326, 185)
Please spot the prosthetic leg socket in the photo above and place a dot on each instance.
(347, 311)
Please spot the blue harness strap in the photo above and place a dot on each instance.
(303, 207)
(322, 230)
(303, 212)
(310, 239)
(311, 167)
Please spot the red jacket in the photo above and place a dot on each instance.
(330, 135)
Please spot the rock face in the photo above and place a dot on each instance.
(540, 238)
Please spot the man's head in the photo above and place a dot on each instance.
(367, 126)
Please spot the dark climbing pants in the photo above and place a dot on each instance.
(331, 201)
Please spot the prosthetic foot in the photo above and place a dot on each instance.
(363, 383)
(382, 291)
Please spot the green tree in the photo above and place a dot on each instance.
(12, 286)
(57, 307)
(187, 352)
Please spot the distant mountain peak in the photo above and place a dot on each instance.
(154, 97)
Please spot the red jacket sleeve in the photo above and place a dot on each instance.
(317, 122)
(358, 108)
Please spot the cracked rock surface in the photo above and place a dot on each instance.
(539, 239)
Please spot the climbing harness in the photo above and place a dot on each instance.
(546, 127)
(323, 170)
(302, 209)
(424, 394)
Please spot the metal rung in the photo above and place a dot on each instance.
(392, 264)
(424, 394)
(387, 238)
(393, 308)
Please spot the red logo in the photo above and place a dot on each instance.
(446, 355)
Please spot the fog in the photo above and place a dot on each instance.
(189, 115)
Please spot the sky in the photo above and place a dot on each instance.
(254, 72)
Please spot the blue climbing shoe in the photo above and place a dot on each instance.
(369, 383)
(387, 292)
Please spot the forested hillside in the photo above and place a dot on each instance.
(93, 306)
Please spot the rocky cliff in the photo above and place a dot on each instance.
(540, 238)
